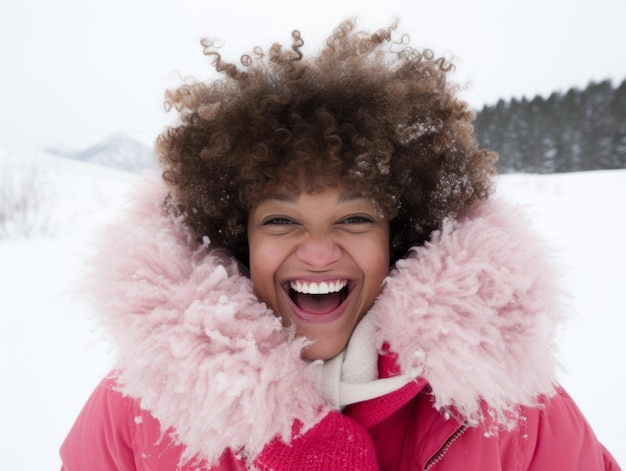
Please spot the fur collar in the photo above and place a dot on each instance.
(473, 312)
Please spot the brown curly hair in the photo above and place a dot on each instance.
(368, 110)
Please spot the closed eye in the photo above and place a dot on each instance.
(277, 221)
(357, 219)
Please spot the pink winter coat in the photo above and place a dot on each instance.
(207, 378)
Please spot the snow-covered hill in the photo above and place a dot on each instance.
(120, 150)
(51, 356)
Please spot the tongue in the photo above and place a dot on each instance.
(318, 303)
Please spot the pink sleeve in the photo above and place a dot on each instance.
(566, 441)
(100, 439)
(112, 433)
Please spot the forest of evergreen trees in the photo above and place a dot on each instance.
(577, 131)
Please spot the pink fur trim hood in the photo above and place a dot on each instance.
(474, 312)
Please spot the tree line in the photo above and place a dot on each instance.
(575, 131)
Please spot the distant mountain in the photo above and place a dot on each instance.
(120, 150)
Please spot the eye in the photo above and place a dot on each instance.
(357, 219)
(277, 221)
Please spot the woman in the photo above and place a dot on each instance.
(324, 282)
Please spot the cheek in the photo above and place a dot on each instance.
(264, 261)
(375, 254)
(374, 261)
(377, 269)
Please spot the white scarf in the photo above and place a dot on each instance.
(352, 376)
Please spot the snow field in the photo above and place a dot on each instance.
(53, 356)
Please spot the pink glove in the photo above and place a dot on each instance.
(336, 443)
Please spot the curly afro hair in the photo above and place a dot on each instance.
(368, 111)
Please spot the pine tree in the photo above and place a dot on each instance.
(581, 130)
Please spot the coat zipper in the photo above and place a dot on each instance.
(446, 446)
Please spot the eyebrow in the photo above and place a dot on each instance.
(345, 197)
(351, 196)
(282, 197)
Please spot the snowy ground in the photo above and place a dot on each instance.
(51, 358)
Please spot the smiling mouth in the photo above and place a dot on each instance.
(318, 298)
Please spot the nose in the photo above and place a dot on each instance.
(318, 251)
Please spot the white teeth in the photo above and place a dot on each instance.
(309, 287)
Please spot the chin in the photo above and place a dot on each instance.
(322, 352)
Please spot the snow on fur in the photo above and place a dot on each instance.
(474, 312)
(194, 343)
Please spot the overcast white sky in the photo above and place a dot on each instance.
(75, 71)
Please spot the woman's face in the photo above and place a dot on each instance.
(319, 260)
